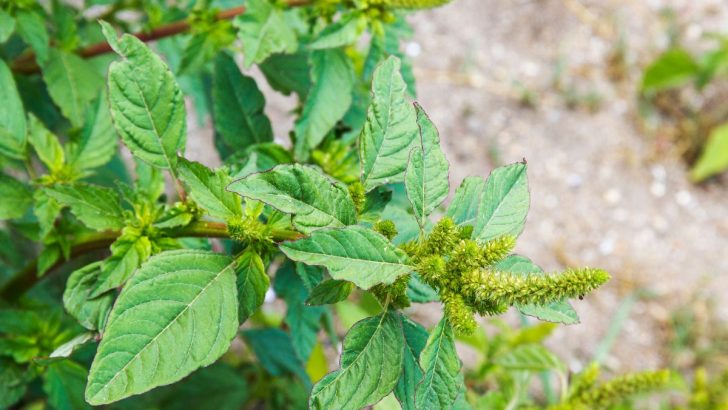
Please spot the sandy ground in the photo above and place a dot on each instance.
(600, 195)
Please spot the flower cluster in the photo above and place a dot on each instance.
(615, 391)
(466, 274)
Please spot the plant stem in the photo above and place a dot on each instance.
(27, 64)
(25, 279)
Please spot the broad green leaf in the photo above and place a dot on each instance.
(355, 253)
(73, 84)
(207, 188)
(440, 364)
(64, 382)
(252, 284)
(13, 382)
(12, 116)
(341, 33)
(238, 106)
(328, 100)
(391, 128)
(46, 144)
(558, 312)
(97, 207)
(504, 205)
(330, 292)
(371, 364)
(177, 313)
(464, 206)
(714, 158)
(31, 27)
(274, 350)
(97, 142)
(673, 68)
(147, 105)
(303, 321)
(316, 200)
(91, 313)
(264, 31)
(7, 26)
(531, 357)
(288, 73)
(16, 197)
(427, 176)
(415, 337)
(127, 254)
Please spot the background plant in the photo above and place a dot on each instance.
(700, 121)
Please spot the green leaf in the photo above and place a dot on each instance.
(238, 106)
(7, 26)
(207, 189)
(64, 382)
(46, 144)
(288, 73)
(97, 142)
(252, 284)
(45, 209)
(355, 253)
(67, 349)
(557, 312)
(316, 200)
(16, 197)
(420, 292)
(303, 321)
(371, 363)
(531, 357)
(91, 313)
(391, 128)
(441, 378)
(12, 116)
(427, 176)
(72, 82)
(415, 337)
(714, 158)
(218, 386)
(127, 254)
(147, 105)
(330, 292)
(341, 33)
(264, 31)
(464, 206)
(177, 313)
(673, 68)
(328, 100)
(504, 205)
(31, 27)
(13, 382)
(274, 350)
(97, 207)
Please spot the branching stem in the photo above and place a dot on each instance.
(27, 64)
(26, 278)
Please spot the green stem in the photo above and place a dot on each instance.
(26, 278)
